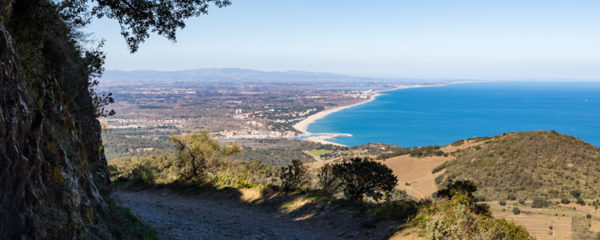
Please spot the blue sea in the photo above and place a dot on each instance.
(442, 115)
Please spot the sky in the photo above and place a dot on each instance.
(478, 39)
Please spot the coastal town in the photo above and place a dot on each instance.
(149, 111)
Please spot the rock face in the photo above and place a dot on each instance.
(53, 174)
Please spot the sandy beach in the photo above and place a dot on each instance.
(302, 126)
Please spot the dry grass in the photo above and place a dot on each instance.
(414, 174)
(538, 225)
(538, 220)
(417, 172)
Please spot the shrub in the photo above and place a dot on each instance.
(588, 216)
(466, 188)
(456, 220)
(198, 152)
(361, 177)
(401, 209)
(458, 143)
(576, 193)
(516, 211)
(439, 168)
(397, 195)
(580, 201)
(511, 197)
(142, 174)
(565, 201)
(327, 180)
(502, 203)
(522, 201)
(293, 176)
(540, 203)
(427, 151)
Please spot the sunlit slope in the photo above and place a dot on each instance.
(529, 164)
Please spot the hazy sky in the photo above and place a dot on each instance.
(496, 39)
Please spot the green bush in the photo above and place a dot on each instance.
(458, 143)
(580, 201)
(576, 193)
(439, 168)
(361, 177)
(460, 218)
(466, 188)
(142, 174)
(327, 180)
(502, 203)
(199, 152)
(400, 210)
(397, 195)
(516, 211)
(540, 203)
(565, 201)
(511, 197)
(427, 151)
(294, 176)
(588, 216)
(522, 201)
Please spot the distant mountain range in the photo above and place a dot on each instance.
(239, 75)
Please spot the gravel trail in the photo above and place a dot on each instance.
(175, 216)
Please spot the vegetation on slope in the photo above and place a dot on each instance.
(529, 165)
(357, 184)
(456, 215)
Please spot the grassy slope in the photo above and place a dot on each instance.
(530, 164)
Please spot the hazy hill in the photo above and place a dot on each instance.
(230, 75)
(529, 164)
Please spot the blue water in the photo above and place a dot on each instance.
(441, 115)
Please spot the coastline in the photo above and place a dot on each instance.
(323, 138)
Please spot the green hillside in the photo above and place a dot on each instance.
(527, 165)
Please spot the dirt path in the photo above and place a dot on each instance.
(175, 216)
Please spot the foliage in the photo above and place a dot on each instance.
(427, 151)
(138, 18)
(439, 168)
(397, 209)
(327, 180)
(198, 153)
(419, 152)
(502, 203)
(364, 177)
(458, 143)
(596, 204)
(516, 211)
(528, 165)
(580, 201)
(565, 201)
(540, 203)
(278, 156)
(162, 169)
(294, 176)
(459, 217)
(466, 188)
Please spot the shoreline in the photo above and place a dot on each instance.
(323, 138)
